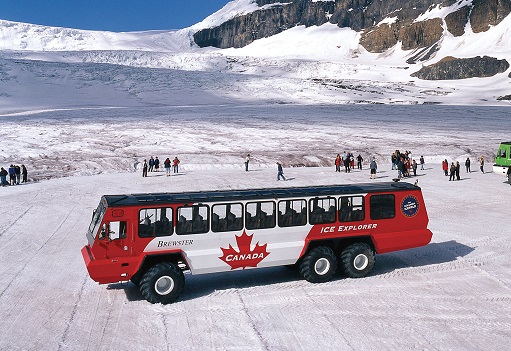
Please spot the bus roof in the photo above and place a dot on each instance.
(252, 194)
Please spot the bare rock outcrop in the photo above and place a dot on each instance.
(450, 68)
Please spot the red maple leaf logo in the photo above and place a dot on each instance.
(244, 257)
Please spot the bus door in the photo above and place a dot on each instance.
(117, 244)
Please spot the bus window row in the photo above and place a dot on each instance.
(199, 219)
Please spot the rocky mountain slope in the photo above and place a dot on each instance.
(419, 26)
(265, 51)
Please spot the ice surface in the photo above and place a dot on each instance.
(453, 294)
(82, 109)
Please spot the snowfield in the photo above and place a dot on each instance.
(453, 294)
(83, 109)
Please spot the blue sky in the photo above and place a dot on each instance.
(110, 15)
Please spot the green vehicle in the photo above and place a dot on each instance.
(503, 158)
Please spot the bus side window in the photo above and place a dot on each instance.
(260, 215)
(155, 222)
(351, 208)
(382, 206)
(322, 210)
(117, 230)
(292, 213)
(227, 217)
(192, 219)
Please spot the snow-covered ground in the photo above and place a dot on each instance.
(69, 142)
(82, 109)
(453, 294)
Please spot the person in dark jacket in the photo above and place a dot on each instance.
(17, 172)
(144, 169)
(156, 164)
(3, 177)
(457, 170)
(508, 173)
(12, 175)
(359, 161)
(24, 174)
(167, 164)
(467, 164)
(280, 172)
(452, 171)
(151, 164)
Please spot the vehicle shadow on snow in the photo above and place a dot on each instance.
(207, 284)
(429, 255)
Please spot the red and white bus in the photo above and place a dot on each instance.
(151, 239)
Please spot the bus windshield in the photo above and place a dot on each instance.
(97, 216)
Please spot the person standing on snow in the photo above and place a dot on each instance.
(481, 163)
(175, 163)
(247, 160)
(457, 170)
(445, 167)
(17, 172)
(3, 177)
(359, 161)
(12, 175)
(151, 164)
(338, 163)
(373, 167)
(508, 174)
(166, 164)
(24, 174)
(156, 164)
(467, 164)
(452, 171)
(144, 169)
(414, 167)
(280, 172)
(421, 160)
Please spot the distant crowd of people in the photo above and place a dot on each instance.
(17, 175)
(347, 160)
(154, 165)
(405, 165)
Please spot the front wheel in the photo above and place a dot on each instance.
(319, 265)
(357, 260)
(162, 283)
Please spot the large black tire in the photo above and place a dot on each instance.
(162, 283)
(357, 260)
(319, 265)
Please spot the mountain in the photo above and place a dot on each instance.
(416, 26)
(265, 51)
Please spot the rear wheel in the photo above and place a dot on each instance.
(357, 260)
(162, 283)
(319, 265)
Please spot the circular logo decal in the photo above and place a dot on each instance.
(410, 206)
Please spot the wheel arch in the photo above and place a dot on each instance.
(152, 259)
(338, 244)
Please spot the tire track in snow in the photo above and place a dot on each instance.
(15, 221)
(317, 307)
(18, 273)
(65, 334)
(252, 324)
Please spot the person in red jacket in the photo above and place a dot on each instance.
(338, 163)
(445, 167)
(175, 163)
